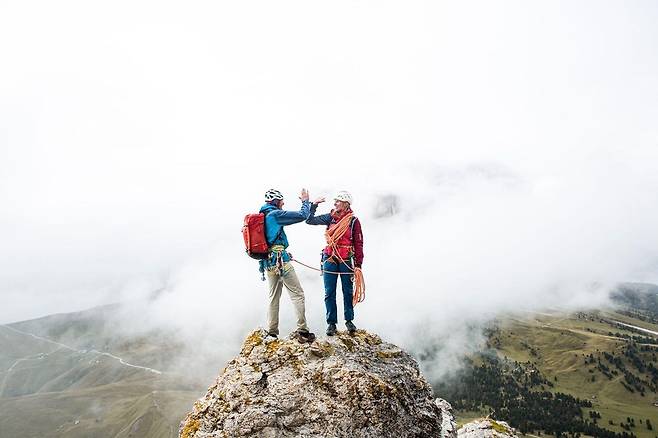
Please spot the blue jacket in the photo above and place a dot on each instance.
(275, 220)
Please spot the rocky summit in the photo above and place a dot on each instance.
(341, 386)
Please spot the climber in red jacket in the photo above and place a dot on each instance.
(342, 255)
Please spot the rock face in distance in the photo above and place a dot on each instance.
(486, 428)
(341, 386)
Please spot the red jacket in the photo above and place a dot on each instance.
(353, 236)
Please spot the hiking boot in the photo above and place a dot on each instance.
(351, 328)
(331, 329)
(272, 335)
(305, 337)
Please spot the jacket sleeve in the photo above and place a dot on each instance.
(357, 240)
(292, 217)
(323, 219)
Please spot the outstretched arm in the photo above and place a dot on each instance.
(323, 219)
(292, 217)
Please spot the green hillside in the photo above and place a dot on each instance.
(585, 355)
(134, 409)
(84, 375)
(69, 378)
(102, 329)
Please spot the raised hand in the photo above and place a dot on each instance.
(319, 200)
(304, 195)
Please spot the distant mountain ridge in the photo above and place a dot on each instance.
(70, 375)
(83, 374)
(641, 298)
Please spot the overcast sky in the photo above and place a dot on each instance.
(517, 140)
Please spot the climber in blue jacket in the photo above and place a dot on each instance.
(277, 266)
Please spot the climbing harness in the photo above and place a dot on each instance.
(359, 294)
(277, 251)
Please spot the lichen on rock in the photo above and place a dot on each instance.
(342, 386)
(486, 428)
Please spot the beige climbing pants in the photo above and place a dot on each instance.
(277, 280)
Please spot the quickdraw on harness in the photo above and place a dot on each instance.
(274, 262)
(274, 254)
(277, 253)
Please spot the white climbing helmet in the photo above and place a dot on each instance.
(273, 194)
(343, 196)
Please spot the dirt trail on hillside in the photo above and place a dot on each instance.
(121, 361)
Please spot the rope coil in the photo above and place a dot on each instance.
(359, 294)
(333, 235)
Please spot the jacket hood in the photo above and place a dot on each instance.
(266, 208)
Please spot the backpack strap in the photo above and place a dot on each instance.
(352, 226)
(278, 235)
(353, 251)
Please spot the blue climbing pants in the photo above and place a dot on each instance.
(330, 283)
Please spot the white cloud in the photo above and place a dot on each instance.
(519, 143)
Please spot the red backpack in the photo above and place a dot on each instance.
(253, 232)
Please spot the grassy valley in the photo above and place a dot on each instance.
(607, 368)
(68, 375)
(85, 374)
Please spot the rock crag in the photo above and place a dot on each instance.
(341, 386)
(486, 428)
